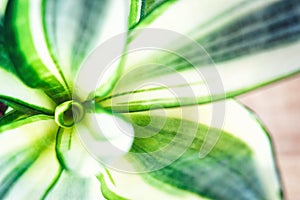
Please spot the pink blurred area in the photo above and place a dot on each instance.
(2, 109)
(278, 106)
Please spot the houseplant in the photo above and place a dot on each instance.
(43, 48)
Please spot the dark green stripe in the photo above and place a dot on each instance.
(24, 106)
(149, 5)
(59, 147)
(5, 61)
(143, 7)
(270, 27)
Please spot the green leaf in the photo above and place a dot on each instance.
(142, 12)
(14, 119)
(29, 155)
(70, 186)
(235, 48)
(37, 173)
(239, 166)
(5, 61)
(72, 155)
(21, 97)
(24, 151)
(16, 94)
(28, 51)
(90, 23)
(135, 7)
(106, 192)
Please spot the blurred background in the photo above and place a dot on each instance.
(278, 106)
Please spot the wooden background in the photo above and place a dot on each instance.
(278, 106)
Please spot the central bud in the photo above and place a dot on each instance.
(68, 113)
